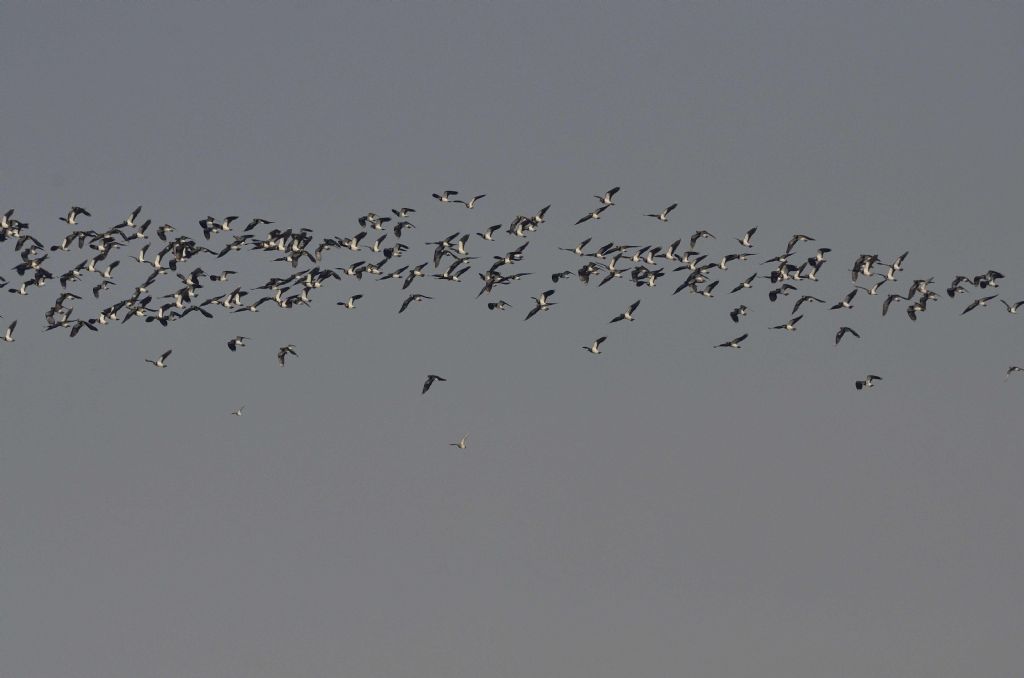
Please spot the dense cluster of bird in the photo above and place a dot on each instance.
(163, 253)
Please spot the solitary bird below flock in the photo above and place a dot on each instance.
(868, 382)
(161, 361)
(285, 351)
(596, 346)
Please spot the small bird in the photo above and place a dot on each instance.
(462, 442)
(9, 334)
(745, 285)
(868, 382)
(595, 214)
(795, 239)
(606, 199)
(595, 348)
(499, 305)
(663, 214)
(236, 343)
(1011, 370)
(472, 203)
(627, 314)
(1012, 308)
(161, 361)
(789, 325)
(542, 304)
(745, 240)
(238, 412)
(431, 378)
(73, 214)
(740, 310)
(351, 301)
(845, 302)
(843, 332)
(445, 196)
(284, 351)
(978, 302)
(411, 298)
(732, 343)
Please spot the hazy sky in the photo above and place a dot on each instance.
(664, 509)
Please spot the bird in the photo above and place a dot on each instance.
(606, 199)
(795, 239)
(236, 343)
(596, 346)
(499, 305)
(73, 214)
(283, 352)
(9, 333)
(789, 325)
(868, 382)
(745, 285)
(462, 442)
(445, 196)
(431, 378)
(238, 412)
(472, 203)
(161, 361)
(845, 302)
(803, 300)
(843, 331)
(542, 304)
(411, 298)
(351, 301)
(745, 240)
(983, 301)
(1012, 308)
(698, 235)
(733, 343)
(1011, 370)
(627, 314)
(663, 214)
(737, 312)
(595, 214)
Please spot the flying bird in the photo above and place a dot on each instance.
(733, 343)
(595, 214)
(843, 331)
(745, 240)
(789, 325)
(596, 346)
(472, 203)
(663, 214)
(542, 304)
(627, 314)
(411, 298)
(351, 301)
(868, 382)
(161, 361)
(285, 351)
(983, 301)
(462, 442)
(431, 378)
(445, 196)
(606, 199)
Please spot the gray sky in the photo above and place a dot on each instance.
(663, 509)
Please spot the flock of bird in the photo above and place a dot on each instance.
(172, 283)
